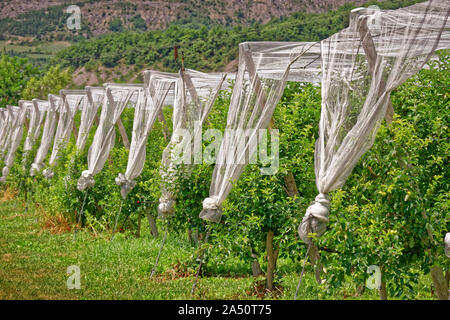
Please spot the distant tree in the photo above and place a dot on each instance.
(14, 74)
(54, 80)
(139, 23)
(115, 25)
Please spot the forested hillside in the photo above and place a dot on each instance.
(47, 18)
(206, 48)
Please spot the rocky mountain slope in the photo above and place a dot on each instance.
(102, 16)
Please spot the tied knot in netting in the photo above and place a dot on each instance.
(5, 173)
(447, 244)
(165, 207)
(35, 169)
(86, 180)
(212, 210)
(316, 218)
(48, 173)
(125, 184)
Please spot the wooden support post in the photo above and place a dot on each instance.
(74, 130)
(371, 56)
(152, 223)
(123, 133)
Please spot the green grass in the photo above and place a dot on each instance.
(33, 265)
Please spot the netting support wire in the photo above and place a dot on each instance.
(117, 220)
(160, 250)
(194, 285)
(303, 270)
(79, 217)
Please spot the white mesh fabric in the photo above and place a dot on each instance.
(15, 137)
(51, 119)
(94, 98)
(159, 89)
(264, 68)
(71, 102)
(3, 123)
(5, 130)
(356, 88)
(116, 98)
(196, 95)
(36, 118)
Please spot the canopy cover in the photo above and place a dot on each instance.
(264, 68)
(116, 98)
(160, 88)
(71, 102)
(36, 116)
(362, 64)
(17, 120)
(91, 103)
(195, 97)
(51, 119)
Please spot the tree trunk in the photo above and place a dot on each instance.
(138, 233)
(440, 283)
(292, 191)
(75, 133)
(382, 290)
(315, 260)
(201, 236)
(291, 186)
(272, 256)
(256, 268)
(190, 236)
(152, 223)
(447, 278)
(195, 237)
(360, 290)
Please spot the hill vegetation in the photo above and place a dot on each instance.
(206, 47)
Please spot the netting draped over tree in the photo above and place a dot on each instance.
(36, 118)
(9, 113)
(362, 65)
(116, 98)
(195, 96)
(51, 120)
(159, 90)
(264, 68)
(94, 98)
(71, 102)
(15, 136)
(3, 126)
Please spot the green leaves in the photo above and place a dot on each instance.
(14, 75)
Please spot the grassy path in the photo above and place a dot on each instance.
(34, 262)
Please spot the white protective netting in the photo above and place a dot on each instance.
(194, 99)
(3, 125)
(362, 64)
(17, 120)
(71, 102)
(264, 68)
(93, 101)
(116, 98)
(8, 113)
(36, 118)
(160, 90)
(51, 120)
